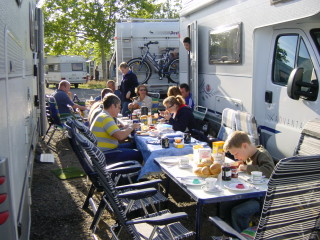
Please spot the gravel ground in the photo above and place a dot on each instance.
(57, 204)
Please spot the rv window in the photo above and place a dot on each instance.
(54, 67)
(77, 66)
(315, 33)
(225, 44)
(291, 52)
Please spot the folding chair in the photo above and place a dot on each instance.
(309, 142)
(247, 123)
(200, 112)
(54, 119)
(150, 195)
(228, 124)
(155, 101)
(291, 207)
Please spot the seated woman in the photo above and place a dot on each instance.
(142, 100)
(173, 91)
(178, 114)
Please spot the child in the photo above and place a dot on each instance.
(252, 158)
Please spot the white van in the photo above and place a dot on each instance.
(70, 68)
(259, 56)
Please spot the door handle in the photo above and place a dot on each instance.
(268, 97)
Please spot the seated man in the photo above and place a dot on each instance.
(251, 158)
(108, 133)
(63, 100)
(186, 94)
(111, 85)
(97, 107)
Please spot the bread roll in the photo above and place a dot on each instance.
(206, 161)
(200, 165)
(215, 168)
(197, 171)
(205, 170)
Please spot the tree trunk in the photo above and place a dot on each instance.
(103, 62)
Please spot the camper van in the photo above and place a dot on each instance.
(21, 119)
(258, 56)
(70, 68)
(130, 37)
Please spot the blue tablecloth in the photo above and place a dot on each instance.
(151, 151)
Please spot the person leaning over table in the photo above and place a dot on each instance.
(108, 134)
(173, 91)
(178, 114)
(142, 100)
(251, 158)
(128, 84)
(97, 107)
(63, 100)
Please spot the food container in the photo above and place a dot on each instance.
(178, 145)
(218, 152)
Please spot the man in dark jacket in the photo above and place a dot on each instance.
(128, 84)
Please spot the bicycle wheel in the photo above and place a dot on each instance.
(173, 71)
(141, 69)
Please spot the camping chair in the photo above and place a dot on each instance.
(309, 142)
(148, 196)
(142, 194)
(228, 124)
(200, 112)
(54, 119)
(247, 123)
(291, 207)
(155, 101)
(90, 136)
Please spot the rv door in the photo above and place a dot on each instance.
(281, 116)
(194, 62)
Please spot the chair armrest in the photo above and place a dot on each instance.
(161, 220)
(123, 164)
(138, 194)
(139, 185)
(224, 227)
(125, 170)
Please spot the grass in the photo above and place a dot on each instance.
(93, 84)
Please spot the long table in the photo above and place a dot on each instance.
(175, 173)
(152, 151)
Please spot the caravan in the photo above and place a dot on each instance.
(22, 117)
(258, 56)
(70, 68)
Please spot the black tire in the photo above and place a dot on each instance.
(141, 69)
(173, 71)
(76, 85)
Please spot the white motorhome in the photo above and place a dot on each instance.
(132, 34)
(21, 98)
(242, 54)
(70, 68)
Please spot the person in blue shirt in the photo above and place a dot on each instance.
(186, 94)
(63, 100)
(128, 84)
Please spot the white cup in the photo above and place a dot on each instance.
(211, 183)
(184, 161)
(256, 176)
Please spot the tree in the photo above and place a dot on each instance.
(86, 27)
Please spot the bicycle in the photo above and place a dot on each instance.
(166, 66)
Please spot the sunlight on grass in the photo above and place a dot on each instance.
(93, 84)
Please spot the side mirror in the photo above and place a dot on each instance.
(292, 87)
(297, 88)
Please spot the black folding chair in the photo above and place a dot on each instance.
(148, 196)
(291, 207)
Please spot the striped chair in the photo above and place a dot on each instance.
(228, 124)
(291, 207)
(246, 122)
(309, 142)
(150, 197)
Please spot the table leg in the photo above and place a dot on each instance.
(198, 220)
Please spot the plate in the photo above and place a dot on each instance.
(142, 133)
(232, 186)
(170, 160)
(185, 166)
(263, 181)
(216, 189)
(193, 181)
